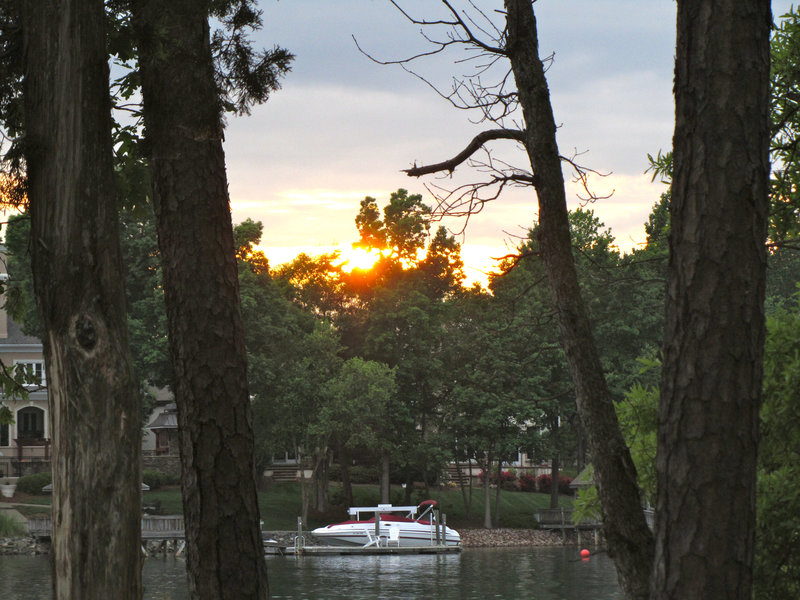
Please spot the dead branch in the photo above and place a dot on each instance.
(476, 144)
(458, 23)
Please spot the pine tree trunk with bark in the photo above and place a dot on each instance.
(225, 556)
(711, 381)
(94, 408)
(630, 542)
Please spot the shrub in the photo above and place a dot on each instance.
(336, 497)
(506, 478)
(157, 479)
(543, 484)
(363, 474)
(10, 527)
(358, 473)
(33, 484)
(527, 482)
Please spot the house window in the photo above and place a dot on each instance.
(3, 435)
(30, 423)
(33, 371)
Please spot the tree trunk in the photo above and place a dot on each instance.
(711, 379)
(487, 497)
(304, 499)
(466, 490)
(94, 412)
(386, 496)
(630, 542)
(347, 486)
(319, 480)
(498, 489)
(554, 464)
(554, 476)
(225, 556)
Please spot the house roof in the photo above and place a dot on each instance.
(584, 479)
(166, 419)
(17, 338)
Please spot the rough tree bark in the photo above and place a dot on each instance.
(94, 414)
(711, 380)
(225, 555)
(630, 542)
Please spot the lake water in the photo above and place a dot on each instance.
(535, 573)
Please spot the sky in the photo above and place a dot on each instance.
(343, 127)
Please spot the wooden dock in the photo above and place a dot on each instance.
(274, 549)
(172, 528)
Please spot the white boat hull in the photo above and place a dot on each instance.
(411, 534)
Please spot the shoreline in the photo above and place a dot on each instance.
(470, 538)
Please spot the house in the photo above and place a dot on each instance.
(160, 449)
(25, 443)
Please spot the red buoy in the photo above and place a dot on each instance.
(585, 553)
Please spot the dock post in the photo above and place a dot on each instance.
(438, 533)
(377, 529)
(299, 540)
(444, 529)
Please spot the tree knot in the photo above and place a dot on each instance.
(86, 333)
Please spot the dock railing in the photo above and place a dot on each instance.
(153, 527)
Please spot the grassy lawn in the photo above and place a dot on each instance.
(281, 504)
(32, 511)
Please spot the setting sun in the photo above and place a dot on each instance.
(358, 258)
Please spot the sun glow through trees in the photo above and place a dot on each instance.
(358, 258)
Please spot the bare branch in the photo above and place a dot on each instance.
(476, 144)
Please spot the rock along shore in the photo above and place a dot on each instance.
(501, 538)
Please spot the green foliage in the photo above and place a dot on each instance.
(147, 317)
(10, 527)
(785, 74)
(442, 269)
(33, 484)
(638, 417)
(777, 567)
(244, 76)
(660, 166)
(245, 237)
(357, 401)
(156, 479)
(20, 301)
(402, 231)
(6, 416)
(358, 474)
(587, 506)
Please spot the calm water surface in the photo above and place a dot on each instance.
(536, 573)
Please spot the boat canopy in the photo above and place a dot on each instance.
(356, 511)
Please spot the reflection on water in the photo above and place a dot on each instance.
(536, 573)
(28, 578)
